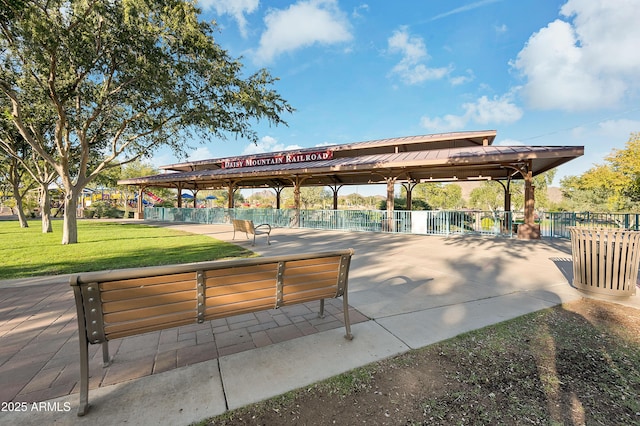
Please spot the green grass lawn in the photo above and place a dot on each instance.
(27, 252)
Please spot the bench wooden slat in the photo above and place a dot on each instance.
(293, 272)
(335, 260)
(266, 267)
(241, 278)
(150, 312)
(149, 301)
(153, 280)
(311, 285)
(221, 290)
(306, 278)
(314, 261)
(241, 297)
(146, 291)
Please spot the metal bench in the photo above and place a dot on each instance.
(247, 227)
(126, 302)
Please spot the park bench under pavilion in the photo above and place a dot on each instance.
(444, 157)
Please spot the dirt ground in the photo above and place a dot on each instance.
(574, 364)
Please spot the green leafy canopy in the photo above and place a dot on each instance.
(116, 79)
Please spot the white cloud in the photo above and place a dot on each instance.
(162, 159)
(444, 124)
(589, 60)
(356, 10)
(321, 144)
(498, 110)
(201, 153)
(509, 142)
(618, 130)
(579, 132)
(267, 144)
(501, 29)
(303, 24)
(412, 68)
(483, 111)
(235, 8)
(462, 79)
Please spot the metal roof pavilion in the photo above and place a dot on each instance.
(410, 160)
(428, 158)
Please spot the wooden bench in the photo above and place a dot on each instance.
(126, 302)
(247, 227)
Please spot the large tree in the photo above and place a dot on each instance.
(439, 195)
(27, 160)
(21, 183)
(626, 163)
(488, 196)
(119, 79)
(612, 186)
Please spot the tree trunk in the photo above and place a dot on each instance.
(20, 210)
(70, 225)
(17, 195)
(125, 202)
(45, 209)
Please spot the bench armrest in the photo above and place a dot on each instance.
(265, 225)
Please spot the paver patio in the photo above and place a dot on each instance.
(39, 343)
(406, 291)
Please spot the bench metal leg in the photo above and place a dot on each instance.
(321, 313)
(84, 376)
(106, 359)
(347, 321)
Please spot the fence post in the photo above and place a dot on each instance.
(448, 221)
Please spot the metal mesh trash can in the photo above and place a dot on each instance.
(605, 261)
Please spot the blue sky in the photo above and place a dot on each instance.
(540, 72)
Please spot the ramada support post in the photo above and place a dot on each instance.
(408, 187)
(278, 190)
(231, 192)
(529, 230)
(139, 213)
(507, 199)
(297, 184)
(507, 221)
(335, 189)
(179, 186)
(390, 223)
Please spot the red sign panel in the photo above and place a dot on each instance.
(278, 159)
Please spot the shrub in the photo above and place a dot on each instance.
(105, 210)
(486, 223)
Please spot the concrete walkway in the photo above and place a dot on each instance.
(406, 292)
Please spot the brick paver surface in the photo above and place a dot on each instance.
(39, 354)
